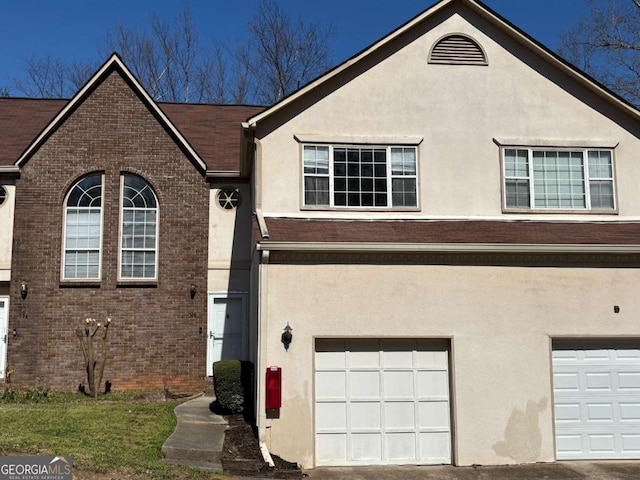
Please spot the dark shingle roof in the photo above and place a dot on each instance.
(212, 130)
(454, 232)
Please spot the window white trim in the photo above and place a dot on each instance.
(318, 138)
(336, 188)
(525, 186)
(65, 226)
(138, 249)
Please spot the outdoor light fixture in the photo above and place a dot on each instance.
(192, 290)
(287, 337)
(15, 332)
(24, 289)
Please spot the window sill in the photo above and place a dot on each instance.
(553, 211)
(80, 284)
(360, 209)
(137, 284)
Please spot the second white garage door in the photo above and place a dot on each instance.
(382, 402)
(597, 401)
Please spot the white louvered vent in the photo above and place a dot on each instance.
(459, 50)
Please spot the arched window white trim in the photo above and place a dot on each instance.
(138, 230)
(81, 253)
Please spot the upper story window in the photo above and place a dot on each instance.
(360, 176)
(139, 237)
(3, 194)
(572, 179)
(83, 229)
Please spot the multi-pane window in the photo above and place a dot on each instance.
(558, 179)
(359, 176)
(82, 236)
(138, 252)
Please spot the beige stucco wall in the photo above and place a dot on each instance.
(457, 110)
(229, 243)
(500, 321)
(6, 233)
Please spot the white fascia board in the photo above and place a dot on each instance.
(444, 247)
(10, 169)
(114, 59)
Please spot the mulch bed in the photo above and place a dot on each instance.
(241, 453)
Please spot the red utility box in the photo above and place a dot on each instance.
(273, 395)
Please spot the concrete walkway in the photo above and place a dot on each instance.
(198, 437)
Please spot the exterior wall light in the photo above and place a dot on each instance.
(15, 332)
(192, 290)
(287, 337)
(24, 289)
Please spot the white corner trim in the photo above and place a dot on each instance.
(359, 139)
(555, 142)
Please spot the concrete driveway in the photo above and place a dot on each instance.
(548, 471)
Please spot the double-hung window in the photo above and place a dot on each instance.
(360, 176)
(83, 230)
(571, 179)
(139, 237)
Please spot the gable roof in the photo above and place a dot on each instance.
(488, 14)
(209, 134)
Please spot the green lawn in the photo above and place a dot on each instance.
(116, 433)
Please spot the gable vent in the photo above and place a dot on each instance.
(459, 50)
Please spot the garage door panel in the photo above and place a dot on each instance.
(434, 415)
(400, 447)
(399, 415)
(629, 381)
(395, 398)
(365, 416)
(436, 447)
(597, 403)
(331, 448)
(364, 385)
(433, 384)
(398, 384)
(331, 416)
(366, 446)
(330, 385)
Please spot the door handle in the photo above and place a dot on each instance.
(5, 338)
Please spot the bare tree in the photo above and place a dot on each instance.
(606, 45)
(281, 53)
(173, 64)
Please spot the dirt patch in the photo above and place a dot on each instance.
(241, 453)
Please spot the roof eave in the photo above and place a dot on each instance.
(389, 247)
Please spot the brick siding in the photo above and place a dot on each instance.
(158, 335)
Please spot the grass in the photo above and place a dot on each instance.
(120, 433)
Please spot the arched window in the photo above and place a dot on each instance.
(83, 229)
(139, 240)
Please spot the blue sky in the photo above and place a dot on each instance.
(73, 30)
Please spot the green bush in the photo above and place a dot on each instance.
(26, 395)
(233, 381)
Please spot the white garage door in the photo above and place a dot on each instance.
(597, 402)
(382, 402)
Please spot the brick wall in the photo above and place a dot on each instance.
(155, 339)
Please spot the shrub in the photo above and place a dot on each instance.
(26, 395)
(233, 381)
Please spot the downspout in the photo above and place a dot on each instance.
(262, 303)
(263, 262)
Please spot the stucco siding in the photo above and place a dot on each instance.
(458, 111)
(500, 321)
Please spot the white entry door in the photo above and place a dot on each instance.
(227, 319)
(597, 402)
(4, 319)
(382, 402)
